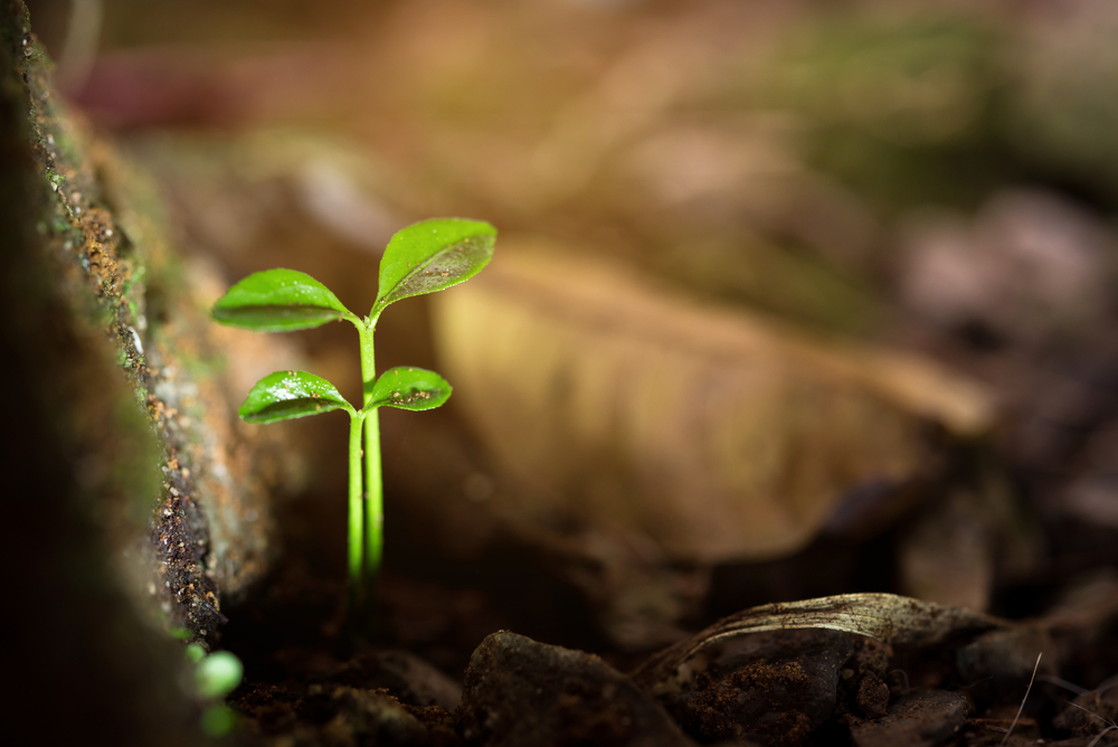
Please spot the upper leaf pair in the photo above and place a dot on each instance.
(423, 258)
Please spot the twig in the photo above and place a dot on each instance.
(1021, 707)
(1092, 714)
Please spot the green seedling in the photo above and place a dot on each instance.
(423, 258)
(216, 675)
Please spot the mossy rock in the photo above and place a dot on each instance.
(132, 516)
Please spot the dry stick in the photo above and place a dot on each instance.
(1101, 734)
(1091, 713)
(1098, 738)
(1021, 707)
(1072, 687)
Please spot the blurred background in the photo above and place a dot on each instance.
(934, 179)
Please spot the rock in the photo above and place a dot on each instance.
(105, 236)
(142, 503)
(785, 673)
(79, 468)
(411, 679)
(920, 719)
(769, 688)
(522, 692)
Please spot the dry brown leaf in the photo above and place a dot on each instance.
(888, 618)
(717, 434)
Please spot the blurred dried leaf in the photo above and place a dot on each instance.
(888, 618)
(716, 434)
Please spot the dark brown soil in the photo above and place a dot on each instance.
(436, 672)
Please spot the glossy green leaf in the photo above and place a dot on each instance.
(409, 389)
(284, 395)
(279, 301)
(432, 255)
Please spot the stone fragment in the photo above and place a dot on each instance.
(920, 719)
(521, 692)
(775, 687)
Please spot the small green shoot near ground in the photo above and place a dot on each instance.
(216, 675)
(423, 258)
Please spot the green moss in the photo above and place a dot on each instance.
(899, 108)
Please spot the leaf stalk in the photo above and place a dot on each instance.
(372, 531)
(357, 581)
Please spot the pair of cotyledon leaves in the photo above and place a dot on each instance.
(423, 258)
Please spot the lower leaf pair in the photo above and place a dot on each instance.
(285, 395)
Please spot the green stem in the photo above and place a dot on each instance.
(374, 500)
(374, 490)
(356, 513)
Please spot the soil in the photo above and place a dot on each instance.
(442, 669)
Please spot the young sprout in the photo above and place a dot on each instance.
(216, 675)
(423, 258)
